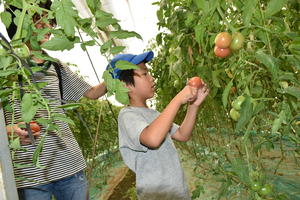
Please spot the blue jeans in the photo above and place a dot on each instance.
(73, 187)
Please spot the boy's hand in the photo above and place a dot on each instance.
(22, 133)
(201, 95)
(187, 94)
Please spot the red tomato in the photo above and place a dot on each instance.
(223, 40)
(196, 82)
(34, 127)
(222, 53)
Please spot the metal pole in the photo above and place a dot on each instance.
(8, 189)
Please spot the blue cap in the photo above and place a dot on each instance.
(134, 59)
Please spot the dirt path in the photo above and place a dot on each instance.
(124, 191)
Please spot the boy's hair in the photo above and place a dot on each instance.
(12, 29)
(127, 75)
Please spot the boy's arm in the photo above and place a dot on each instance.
(153, 135)
(96, 91)
(184, 132)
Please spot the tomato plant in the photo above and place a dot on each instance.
(237, 41)
(222, 52)
(196, 82)
(223, 40)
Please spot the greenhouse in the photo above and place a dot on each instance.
(150, 100)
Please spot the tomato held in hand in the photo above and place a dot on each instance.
(34, 127)
(196, 82)
(223, 40)
(22, 51)
(237, 41)
(222, 52)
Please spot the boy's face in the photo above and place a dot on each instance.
(144, 86)
(40, 24)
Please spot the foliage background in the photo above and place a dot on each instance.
(265, 71)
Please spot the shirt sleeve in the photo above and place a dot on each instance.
(73, 85)
(131, 125)
(173, 129)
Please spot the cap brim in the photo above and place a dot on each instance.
(144, 57)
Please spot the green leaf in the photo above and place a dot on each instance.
(109, 81)
(58, 43)
(15, 144)
(294, 91)
(62, 117)
(117, 49)
(87, 43)
(70, 106)
(248, 11)
(8, 72)
(202, 5)
(246, 113)
(124, 34)
(37, 152)
(104, 47)
(105, 22)
(199, 33)
(65, 15)
(6, 18)
(124, 65)
(93, 5)
(28, 109)
(278, 121)
(274, 6)
(269, 61)
(226, 93)
(215, 79)
(122, 97)
(43, 56)
(5, 61)
(294, 47)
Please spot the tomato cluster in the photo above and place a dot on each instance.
(225, 43)
(236, 107)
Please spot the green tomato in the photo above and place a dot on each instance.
(237, 103)
(22, 51)
(2, 51)
(237, 41)
(255, 186)
(265, 190)
(284, 84)
(234, 114)
(176, 84)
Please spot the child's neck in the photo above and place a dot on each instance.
(136, 103)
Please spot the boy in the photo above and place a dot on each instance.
(145, 135)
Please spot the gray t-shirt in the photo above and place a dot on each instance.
(159, 174)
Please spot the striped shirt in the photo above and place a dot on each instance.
(61, 155)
